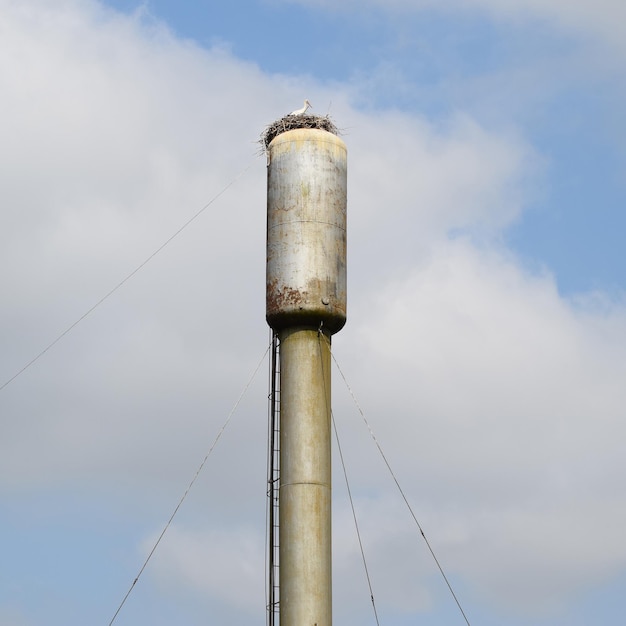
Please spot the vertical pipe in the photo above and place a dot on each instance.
(305, 479)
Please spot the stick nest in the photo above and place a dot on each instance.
(292, 122)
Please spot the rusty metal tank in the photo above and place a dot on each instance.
(306, 230)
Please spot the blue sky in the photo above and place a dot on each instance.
(486, 335)
(435, 61)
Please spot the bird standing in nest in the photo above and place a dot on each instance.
(303, 110)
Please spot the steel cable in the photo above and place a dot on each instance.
(419, 526)
(125, 280)
(345, 475)
(193, 480)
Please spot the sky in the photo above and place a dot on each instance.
(486, 334)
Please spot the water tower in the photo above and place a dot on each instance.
(305, 306)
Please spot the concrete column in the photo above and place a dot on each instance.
(305, 479)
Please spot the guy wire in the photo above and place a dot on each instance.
(193, 480)
(406, 501)
(126, 279)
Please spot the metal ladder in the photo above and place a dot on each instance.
(273, 486)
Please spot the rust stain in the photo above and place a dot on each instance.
(286, 297)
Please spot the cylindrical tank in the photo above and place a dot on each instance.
(306, 230)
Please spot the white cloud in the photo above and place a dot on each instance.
(438, 178)
(599, 20)
(497, 400)
(223, 566)
(501, 404)
(139, 131)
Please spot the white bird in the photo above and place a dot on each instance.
(303, 110)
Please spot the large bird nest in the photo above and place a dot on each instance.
(292, 122)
